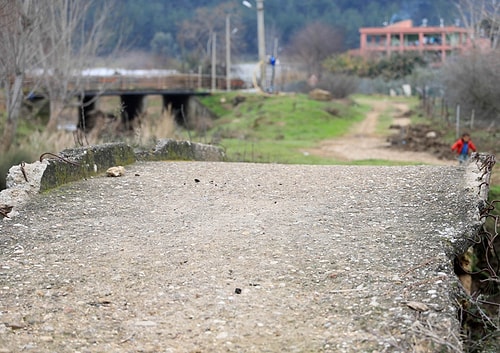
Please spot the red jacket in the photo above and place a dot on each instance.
(457, 146)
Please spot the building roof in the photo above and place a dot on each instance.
(406, 27)
(401, 24)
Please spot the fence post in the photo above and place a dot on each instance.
(214, 61)
(472, 119)
(199, 77)
(458, 120)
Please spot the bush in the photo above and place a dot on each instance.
(473, 82)
(391, 67)
(8, 160)
(374, 86)
(297, 86)
(339, 85)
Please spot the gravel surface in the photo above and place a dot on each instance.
(226, 257)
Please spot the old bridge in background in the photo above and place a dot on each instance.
(177, 92)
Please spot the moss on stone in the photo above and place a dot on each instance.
(91, 161)
(168, 149)
(97, 159)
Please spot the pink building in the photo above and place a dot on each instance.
(435, 43)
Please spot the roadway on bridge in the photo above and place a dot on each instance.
(233, 257)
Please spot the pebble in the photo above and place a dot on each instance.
(222, 335)
(145, 323)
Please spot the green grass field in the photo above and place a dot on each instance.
(277, 129)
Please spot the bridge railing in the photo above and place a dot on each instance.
(173, 82)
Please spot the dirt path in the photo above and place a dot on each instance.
(364, 143)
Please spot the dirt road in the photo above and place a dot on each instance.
(364, 142)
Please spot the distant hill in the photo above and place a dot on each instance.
(141, 20)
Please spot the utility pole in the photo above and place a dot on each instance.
(228, 53)
(262, 42)
(214, 78)
(273, 63)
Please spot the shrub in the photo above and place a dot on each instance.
(339, 85)
(473, 82)
(391, 67)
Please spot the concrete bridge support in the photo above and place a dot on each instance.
(185, 109)
(132, 107)
(178, 104)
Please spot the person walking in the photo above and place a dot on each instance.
(463, 147)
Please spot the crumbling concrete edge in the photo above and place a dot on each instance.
(168, 149)
(26, 180)
(468, 208)
(477, 176)
(80, 163)
(476, 185)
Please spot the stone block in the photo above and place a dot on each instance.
(83, 162)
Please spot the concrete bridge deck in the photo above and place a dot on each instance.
(225, 257)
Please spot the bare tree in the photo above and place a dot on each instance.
(69, 42)
(18, 24)
(53, 41)
(472, 82)
(195, 34)
(482, 18)
(313, 44)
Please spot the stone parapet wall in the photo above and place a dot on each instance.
(74, 164)
(167, 149)
(79, 163)
(97, 159)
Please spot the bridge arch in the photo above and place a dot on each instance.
(133, 104)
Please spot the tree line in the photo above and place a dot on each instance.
(161, 25)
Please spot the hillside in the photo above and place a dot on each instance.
(141, 21)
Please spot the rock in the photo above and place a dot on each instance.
(320, 95)
(168, 149)
(145, 323)
(115, 171)
(417, 306)
(222, 335)
(15, 325)
(18, 189)
(5, 210)
(237, 100)
(431, 135)
(407, 90)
